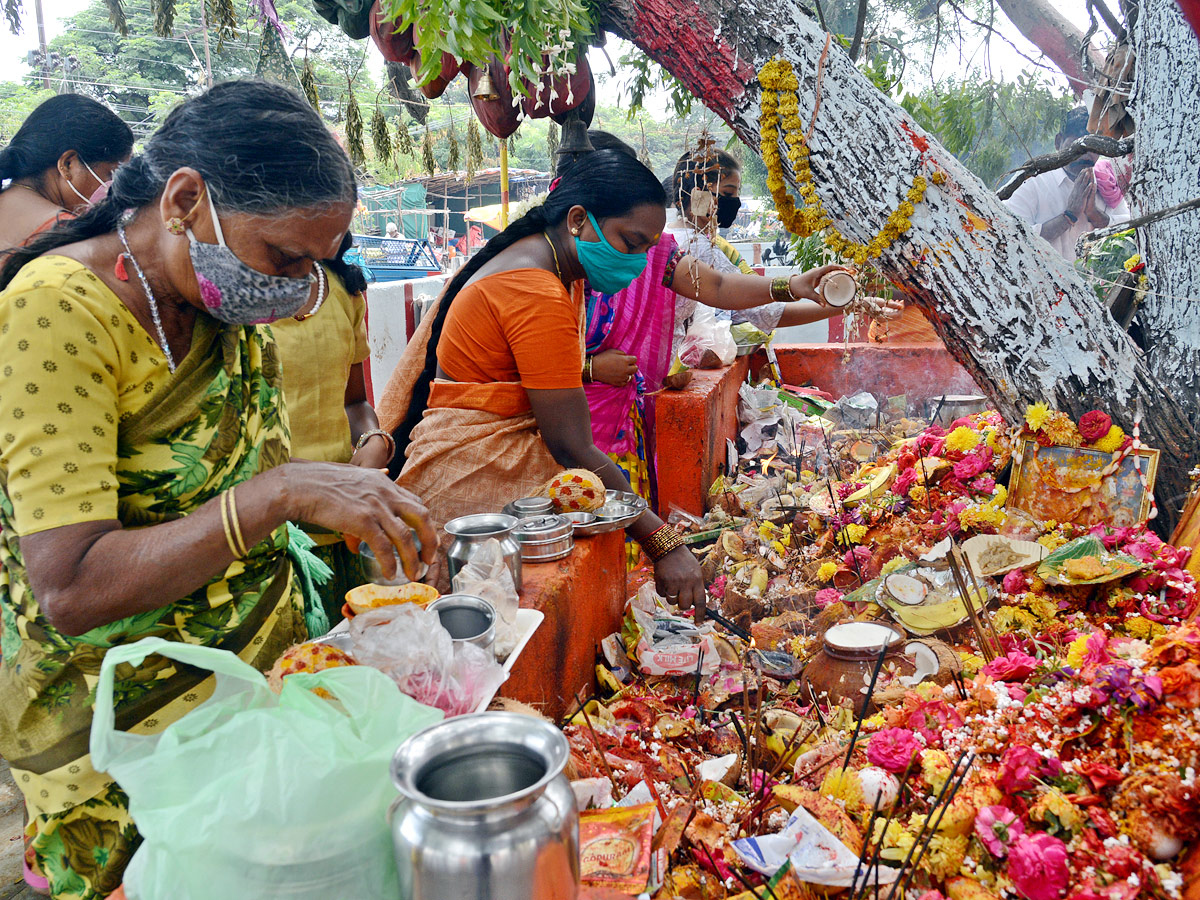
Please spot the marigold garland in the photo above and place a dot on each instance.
(781, 106)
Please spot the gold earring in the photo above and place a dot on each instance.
(175, 225)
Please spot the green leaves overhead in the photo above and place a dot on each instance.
(308, 84)
(428, 161)
(116, 15)
(404, 142)
(164, 17)
(527, 32)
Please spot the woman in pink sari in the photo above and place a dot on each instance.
(629, 336)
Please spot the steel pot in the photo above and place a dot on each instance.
(528, 507)
(485, 812)
(469, 533)
(468, 619)
(545, 538)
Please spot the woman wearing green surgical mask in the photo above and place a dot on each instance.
(487, 403)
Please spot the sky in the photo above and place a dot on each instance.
(1005, 58)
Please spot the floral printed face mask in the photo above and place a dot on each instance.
(235, 293)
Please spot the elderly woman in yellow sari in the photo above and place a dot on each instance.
(144, 475)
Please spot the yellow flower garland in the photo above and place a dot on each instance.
(780, 105)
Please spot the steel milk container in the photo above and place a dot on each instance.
(485, 812)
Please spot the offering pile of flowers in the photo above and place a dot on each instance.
(1032, 730)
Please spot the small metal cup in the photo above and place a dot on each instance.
(374, 572)
(468, 619)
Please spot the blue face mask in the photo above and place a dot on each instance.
(608, 270)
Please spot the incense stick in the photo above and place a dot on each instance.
(728, 624)
(925, 824)
(862, 713)
(911, 873)
(596, 741)
(886, 824)
(866, 838)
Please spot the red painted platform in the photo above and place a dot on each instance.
(583, 597)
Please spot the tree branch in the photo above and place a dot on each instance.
(1089, 143)
(1110, 20)
(859, 24)
(1101, 233)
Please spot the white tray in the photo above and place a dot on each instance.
(528, 621)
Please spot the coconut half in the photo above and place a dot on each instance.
(906, 589)
(926, 661)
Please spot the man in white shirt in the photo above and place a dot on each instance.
(1064, 202)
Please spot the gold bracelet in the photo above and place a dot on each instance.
(587, 370)
(221, 501)
(781, 289)
(237, 525)
(661, 542)
(377, 432)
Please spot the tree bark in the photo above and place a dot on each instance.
(1048, 30)
(1010, 309)
(1165, 173)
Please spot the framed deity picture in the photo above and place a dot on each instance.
(1070, 484)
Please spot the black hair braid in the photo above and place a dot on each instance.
(606, 183)
(531, 223)
(349, 274)
(132, 188)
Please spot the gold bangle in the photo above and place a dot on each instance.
(781, 289)
(221, 501)
(661, 542)
(237, 525)
(377, 432)
(587, 369)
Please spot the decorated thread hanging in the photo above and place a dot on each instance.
(781, 112)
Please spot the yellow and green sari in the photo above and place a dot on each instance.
(162, 445)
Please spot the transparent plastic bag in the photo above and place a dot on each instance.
(708, 343)
(258, 796)
(409, 644)
(487, 575)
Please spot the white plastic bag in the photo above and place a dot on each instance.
(708, 343)
(409, 644)
(487, 576)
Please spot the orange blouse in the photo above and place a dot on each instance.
(517, 327)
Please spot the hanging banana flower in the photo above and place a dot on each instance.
(428, 160)
(380, 136)
(164, 17)
(455, 153)
(116, 15)
(308, 84)
(404, 142)
(354, 130)
(474, 149)
(552, 141)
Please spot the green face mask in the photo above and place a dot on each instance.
(608, 270)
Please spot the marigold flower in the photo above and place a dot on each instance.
(827, 571)
(1112, 441)
(962, 440)
(1036, 416)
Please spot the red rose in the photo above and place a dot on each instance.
(1094, 425)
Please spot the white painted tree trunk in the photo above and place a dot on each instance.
(1010, 309)
(1167, 171)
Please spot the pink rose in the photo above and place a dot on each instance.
(973, 464)
(893, 749)
(857, 559)
(1019, 769)
(827, 597)
(997, 827)
(985, 484)
(1016, 582)
(904, 482)
(1038, 867)
(1094, 425)
(1015, 666)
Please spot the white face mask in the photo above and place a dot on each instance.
(100, 181)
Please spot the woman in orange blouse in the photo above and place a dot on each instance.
(488, 399)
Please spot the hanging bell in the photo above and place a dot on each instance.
(485, 90)
(575, 141)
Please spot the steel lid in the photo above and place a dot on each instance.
(542, 528)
